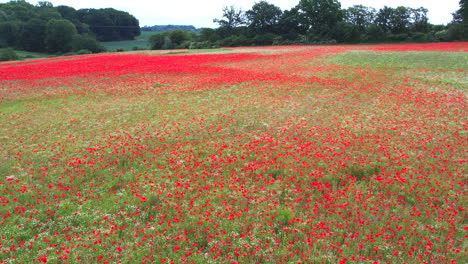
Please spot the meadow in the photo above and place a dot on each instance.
(140, 42)
(294, 154)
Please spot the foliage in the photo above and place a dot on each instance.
(157, 41)
(109, 24)
(169, 40)
(59, 35)
(25, 26)
(33, 35)
(164, 28)
(10, 32)
(263, 17)
(7, 54)
(360, 16)
(320, 16)
(233, 18)
(323, 21)
(86, 42)
(179, 37)
(458, 28)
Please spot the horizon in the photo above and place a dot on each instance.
(205, 12)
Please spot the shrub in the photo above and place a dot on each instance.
(87, 42)
(84, 52)
(398, 37)
(420, 37)
(442, 35)
(156, 41)
(8, 54)
(264, 39)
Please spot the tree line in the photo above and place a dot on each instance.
(317, 22)
(61, 29)
(165, 28)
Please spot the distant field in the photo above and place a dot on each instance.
(297, 154)
(141, 42)
(441, 60)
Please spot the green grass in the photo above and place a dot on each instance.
(32, 55)
(141, 42)
(437, 68)
(408, 60)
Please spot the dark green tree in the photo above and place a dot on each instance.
(233, 18)
(320, 16)
(459, 25)
(109, 24)
(360, 16)
(86, 42)
(157, 41)
(178, 37)
(59, 35)
(291, 24)
(46, 11)
(18, 10)
(209, 34)
(383, 18)
(10, 32)
(400, 20)
(263, 17)
(33, 35)
(419, 20)
(68, 13)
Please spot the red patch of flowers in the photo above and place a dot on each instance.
(274, 156)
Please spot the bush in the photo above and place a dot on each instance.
(87, 42)
(264, 39)
(8, 54)
(442, 35)
(178, 37)
(455, 32)
(398, 37)
(235, 41)
(202, 45)
(167, 44)
(420, 37)
(84, 52)
(156, 41)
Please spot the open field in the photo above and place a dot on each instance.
(141, 42)
(299, 154)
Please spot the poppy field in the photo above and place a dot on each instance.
(294, 154)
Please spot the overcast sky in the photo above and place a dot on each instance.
(202, 12)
